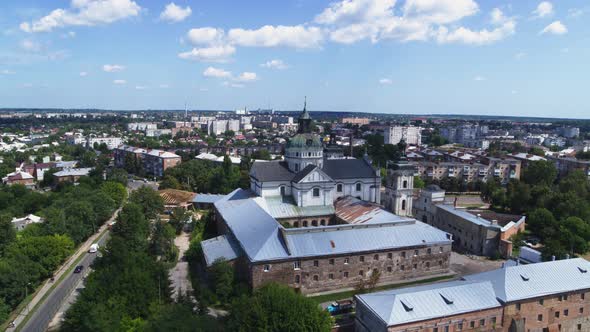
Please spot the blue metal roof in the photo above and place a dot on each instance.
(219, 247)
(207, 198)
(406, 305)
(520, 282)
(463, 214)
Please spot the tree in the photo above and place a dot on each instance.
(261, 154)
(418, 182)
(540, 172)
(118, 175)
(276, 307)
(223, 279)
(7, 233)
(180, 318)
(149, 199)
(115, 190)
(132, 226)
(162, 241)
(542, 222)
(48, 178)
(170, 182)
(518, 196)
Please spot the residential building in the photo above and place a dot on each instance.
(411, 135)
(569, 132)
(549, 296)
(566, 165)
(174, 198)
(141, 126)
(356, 121)
(111, 142)
(480, 232)
(19, 177)
(21, 223)
(525, 158)
(71, 174)
(154, 162)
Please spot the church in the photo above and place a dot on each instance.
(311, 176)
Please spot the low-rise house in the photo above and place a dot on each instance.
(71, 174)
(19, 177)
(174, 198)
(21, 223)
(549, 296)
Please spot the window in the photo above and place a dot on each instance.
(314, 223)
(403, 204)
(376, 257)
(331, 276)
(403, 254)
(403, 267)
(415, 266)
(557, 314)
(331, 261)
(541, 301)
(316, 192)
(518, 306)
(427, 265)
(361, 273)
(472, 324)
(389, 269)
(446, 328)
(440, 263)
(323, 222)
(429, 251)
(482, 322)
(405, 184)
(583, 295)
(493, 320)
(339, 187)
(296, 167)
(316, 263)
(358, 187)
(581, 310)
(297, 279)
(566, 312)
(416, 252)
(459, 326)
(389, 256)
(540, 318)
(565, 297)
(346, 261)
(282, 190)
(435, 329)
(316, 278)
(345, 274)
(296, 224)
(297, 265)
(362, 258)
(579, 327)
(266, 267)
(304, 223)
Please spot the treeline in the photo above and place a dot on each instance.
(129, 288)
(207, 177)
(558, 210)
(72, 214)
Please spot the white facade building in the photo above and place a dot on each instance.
(412, 135)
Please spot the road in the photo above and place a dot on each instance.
(40, 319)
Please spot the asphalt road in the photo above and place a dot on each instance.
(40, 319)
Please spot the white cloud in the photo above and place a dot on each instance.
(385, 81)
(246, 77)
(275, 64)
(141, 87)
(504, 27)
(119, 82)
(83, 74)
(69, 34)
(216, 73)
(84, 13)
(519, 55)
(206, 35)
(555, 28)
(7, 72)
(544, 9)
(209, 54)
(297, 36)
(575, 12)
(113, 68)
(479, 78)
(349, 11)
(30, 46)
(439, 11)
(174, 13)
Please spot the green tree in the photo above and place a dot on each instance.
(118, 175)
(115, 190)
(132, 226)
(170, 182)
(223, 279)
(7, 233)
(542, 222)
(149, 199)
(540, 172)
(277, 308)
(418, 182)
(162, 241)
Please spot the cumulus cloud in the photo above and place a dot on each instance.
(555, 28)
(83, 74)
(274, 64)
(173, 13)
(209, 54)
(385, 81)
(575, 12)
(504, 27)
(246, 77)
(119, 82)
(544, 9)
(297, 36)
(84, 13)
(216, 73)
(205, 36)
(113, 68)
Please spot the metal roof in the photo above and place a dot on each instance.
(533, 280)
(220, 247)
(207, 198)
(271, 171)
(73, 172)
(280, 207)
(348, 169)
(355, 211)
(463, 214)
(406, 305)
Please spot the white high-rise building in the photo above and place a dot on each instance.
(412, 135)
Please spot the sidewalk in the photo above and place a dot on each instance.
(65, 267)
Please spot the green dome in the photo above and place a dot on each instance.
(304, 141)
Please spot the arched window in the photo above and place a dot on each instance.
(339, 187)
(296, 224)
(316, 192)
(405, 184)
(358, 187)
(314, 222)
(403, 204)
(323, 222)
(282, 190)
(304, 223)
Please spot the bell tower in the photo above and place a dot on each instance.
(399, 186)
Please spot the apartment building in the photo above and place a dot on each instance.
(154, 162)
(411, 135)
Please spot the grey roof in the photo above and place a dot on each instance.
(74, 172)
(433, 187)
(348, 169)
(221, 247)
(262, 238)
(284, 207)
(303, 173)
(271, 171)
(463, 214)
(533, 280)
(406, 305)
(207, 198)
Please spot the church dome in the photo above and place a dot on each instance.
(306, 140)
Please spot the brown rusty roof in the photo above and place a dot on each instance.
(176, 197)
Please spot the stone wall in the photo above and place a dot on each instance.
(485, 320)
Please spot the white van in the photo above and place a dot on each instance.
(93, 248)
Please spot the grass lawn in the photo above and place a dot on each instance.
(349, 294)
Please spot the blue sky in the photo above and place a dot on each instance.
(514, 57)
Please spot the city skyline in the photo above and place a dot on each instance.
(415, 56)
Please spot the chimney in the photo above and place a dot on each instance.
(503, 265)
(567, 256)
(553, 258)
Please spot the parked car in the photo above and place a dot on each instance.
(340, 307)
(78, 268)
(93, 248)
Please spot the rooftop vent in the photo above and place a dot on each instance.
(332, 244)
(582, 270)
(524, 277)
(446, 299)
(407, 307)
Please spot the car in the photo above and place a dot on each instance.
(339, 307)
(93, 248)
(78, 268)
